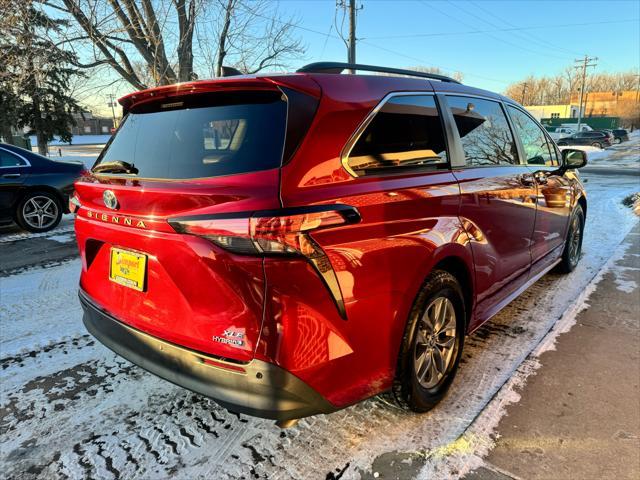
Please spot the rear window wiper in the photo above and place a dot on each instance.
(115, 166)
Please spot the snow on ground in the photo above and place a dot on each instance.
(75, 140)
(50, 290)
(479, 438)
(70, 407)
(64, 227)
(86, 154)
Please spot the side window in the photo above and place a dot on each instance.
(484, 131)
(537, 149)
(406, 133)
(10, 160)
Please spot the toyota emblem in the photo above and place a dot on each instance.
(110, 200)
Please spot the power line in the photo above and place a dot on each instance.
(525, 34)
(498, 30)
(394, 52)
(545, 54)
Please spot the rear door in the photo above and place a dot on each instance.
(196, 156)
(13, 172)
(497, 199)
(553, 189)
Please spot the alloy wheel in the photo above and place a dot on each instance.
(435, 342)
(40, 212)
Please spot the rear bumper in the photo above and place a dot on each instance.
(256, 388)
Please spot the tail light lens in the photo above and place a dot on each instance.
(285, 232)
(74, 203)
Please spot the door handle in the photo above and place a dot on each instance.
(527, 179)
(541, 178)
(11, 175)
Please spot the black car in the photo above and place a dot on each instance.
(34, 190)
(593, 138)
(620, 135)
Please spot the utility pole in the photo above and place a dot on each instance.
(352, 31)
(352, 8)
(524, 91)
(112, 104)
(583, 64)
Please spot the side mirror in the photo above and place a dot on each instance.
(572, 158)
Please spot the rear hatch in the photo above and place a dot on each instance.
(185, 154)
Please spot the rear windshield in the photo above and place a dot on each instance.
(202, 136)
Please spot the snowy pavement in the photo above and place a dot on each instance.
(622, 156)
(70, 408)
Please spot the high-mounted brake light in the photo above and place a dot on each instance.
(276, 232)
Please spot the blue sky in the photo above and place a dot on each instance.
(390, 35)
(548, 37)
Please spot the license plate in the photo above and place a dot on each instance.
(128, 268)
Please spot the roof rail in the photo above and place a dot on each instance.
(338, 67)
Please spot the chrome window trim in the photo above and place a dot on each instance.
(346, 150)
(28, 163)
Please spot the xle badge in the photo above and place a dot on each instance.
(230, 338)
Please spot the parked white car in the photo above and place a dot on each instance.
(566, 130)
(559, 132)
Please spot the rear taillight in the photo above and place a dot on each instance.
(74, 203)
(284, 232)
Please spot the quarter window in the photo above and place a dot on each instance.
(537, 148)
(10, 160)
(405, 134)
(484, 132)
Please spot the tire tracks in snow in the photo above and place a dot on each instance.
(130, 424)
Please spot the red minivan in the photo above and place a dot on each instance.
(292, 244)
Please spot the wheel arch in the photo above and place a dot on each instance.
(459, 268)
(582, 201)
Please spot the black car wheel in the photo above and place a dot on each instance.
(562, 144)
(573, 243)
(617, 140)
(39, 212)
(596, 144)
(432, 344)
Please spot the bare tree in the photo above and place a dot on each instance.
(133, 37)
(560, 88)
(160, 42)
(458, 76)
(251, 36)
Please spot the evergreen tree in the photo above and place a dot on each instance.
(34, 74)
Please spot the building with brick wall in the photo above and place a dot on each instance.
(89, 124)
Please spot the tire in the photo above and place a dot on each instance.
(562, 144)
(422, 394)
(39, 212)
(596, 144)
(617, 140)
(573, 243)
